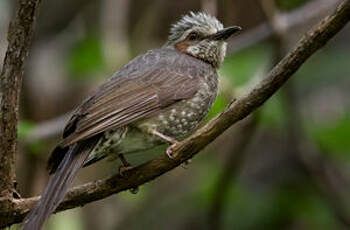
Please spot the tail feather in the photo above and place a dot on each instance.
(57, 187)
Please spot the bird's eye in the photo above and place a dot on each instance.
(193, 36)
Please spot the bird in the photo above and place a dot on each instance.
(158, 98)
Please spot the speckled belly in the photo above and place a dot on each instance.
(177, 121)
(181, 119)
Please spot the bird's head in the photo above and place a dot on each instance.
(201, 36)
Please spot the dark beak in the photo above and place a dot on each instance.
(225, 33)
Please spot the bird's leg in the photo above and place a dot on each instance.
(164, 137)
(125, 165)
(171, 140)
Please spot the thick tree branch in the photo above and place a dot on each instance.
(20, 34)
(185, 150)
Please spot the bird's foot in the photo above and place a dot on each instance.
(169, 151)
(186, 164)
(134, 190)
(126, 166)
(123, 169)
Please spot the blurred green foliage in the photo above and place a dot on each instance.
(328, 72)
(24, 128)
(243, 67)
(69, 219)
(273, 113)
(219, 104)
(240, 67)
(334, 136)
(327, 68)
(86, 58)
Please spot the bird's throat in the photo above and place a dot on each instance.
(183, 48)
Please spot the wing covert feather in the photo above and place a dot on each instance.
(145, 86)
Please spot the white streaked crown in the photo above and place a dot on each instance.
(206, 49)
(194, 21)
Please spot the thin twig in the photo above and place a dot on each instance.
(20, 34)
(237, 110)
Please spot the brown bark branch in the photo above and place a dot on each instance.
(188, 148)
(20, 34)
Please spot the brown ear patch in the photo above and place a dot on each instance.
(182, 46)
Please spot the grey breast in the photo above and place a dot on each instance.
(184, 116)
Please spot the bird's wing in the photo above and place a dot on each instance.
(137, 91)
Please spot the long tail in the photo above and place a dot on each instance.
(57, 187)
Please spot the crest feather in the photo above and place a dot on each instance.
(192, 20)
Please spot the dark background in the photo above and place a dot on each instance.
(284, 167)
